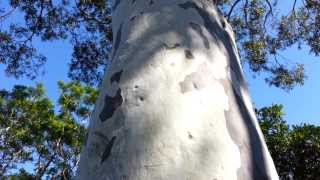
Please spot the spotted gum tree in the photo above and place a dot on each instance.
(174, 103)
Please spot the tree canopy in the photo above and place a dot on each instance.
(86, 24)
(294, 149)
(36, 134)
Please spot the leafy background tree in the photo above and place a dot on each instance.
(38, 135)
(86, 25)
(294, 149)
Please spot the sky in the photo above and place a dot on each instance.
(301, 105)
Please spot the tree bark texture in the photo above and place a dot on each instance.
(174, 104)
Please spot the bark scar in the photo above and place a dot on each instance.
(116, 77)
(110, 105)
(107, 150)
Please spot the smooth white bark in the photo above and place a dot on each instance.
(174, 103)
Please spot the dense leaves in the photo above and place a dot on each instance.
(296, 149)
(38, 135)
(87, 25)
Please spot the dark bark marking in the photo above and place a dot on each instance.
(224, 25)
(190, 135)
(117, 41)
(86, 137)
(188, 54)
(110, 105)
(116, 77)
(198, 29)
(132, 18)
(195, 85)
(151, 2)
(107, 150)
(176, 45)
(133, 1)
(115, 5)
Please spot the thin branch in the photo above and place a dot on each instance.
(246, 13)
(43, 170)
(231, 9)
(270, 6)
(270, 12)
(2, 17)
(294, 6)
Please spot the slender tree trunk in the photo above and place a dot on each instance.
(174, 104)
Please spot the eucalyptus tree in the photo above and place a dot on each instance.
(171, 62)
(174, 104)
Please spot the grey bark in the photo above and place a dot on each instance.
(174, 104)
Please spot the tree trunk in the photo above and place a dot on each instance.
(174, 104)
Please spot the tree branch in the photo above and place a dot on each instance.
(294, 6)
(270, 12)
(4, 16)
(231, 9)
(246, 13)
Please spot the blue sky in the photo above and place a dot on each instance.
(300, 105)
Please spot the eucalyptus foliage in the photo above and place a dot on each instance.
(37, 134)
(294, 149)
(262, 31)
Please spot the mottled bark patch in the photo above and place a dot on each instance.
(107, 151)
(116, 77)
(115, 4)
(188, 54)
(219, 35)
(193, 81)
(208, 23)
(110, 105)
(117, 41)
(197, 28)
(253, 162)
